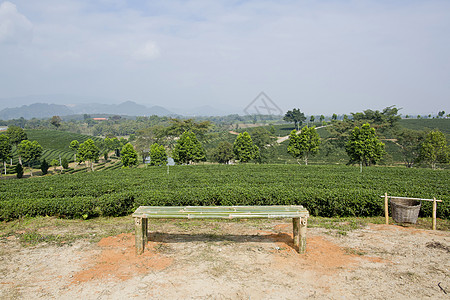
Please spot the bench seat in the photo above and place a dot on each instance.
(298, 214)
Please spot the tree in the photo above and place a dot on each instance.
(56, 121)
(146, 137)
(158, 155)
(65, 163)
(178, 127)
(244, 149)
(410, 141)
(105, 156)
(16, 135)
(223, 153)
(19, 171)
(262, 139)
(321, 118)
(304, 144)
(188, 149)
(363, 146)
(434, 149)
(272, 129)
(129, 156)
(74, 145)
(340, 133)
(295, 116)
(88, 151)
(334, 117)
(54, 163)
(114, 144)
(44, 167)
(312, 119)
(29, 151)
(441, 114)
(388, 116)
(5, 150)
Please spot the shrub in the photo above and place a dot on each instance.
(19, 171)
(44, 167)
(65, 163)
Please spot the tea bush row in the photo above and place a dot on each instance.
(324, 190)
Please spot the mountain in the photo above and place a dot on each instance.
(36, 110)
(159, 111)
(45, 110)
(37, 106)
(52, 98)
(128, 108)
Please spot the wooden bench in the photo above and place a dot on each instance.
(298, 214)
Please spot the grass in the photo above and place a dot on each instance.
(348, 224)
(353, 251)
(339, 225)
(33, 238)
(54, 231)
(51, 230)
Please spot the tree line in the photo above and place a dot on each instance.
(359, 135)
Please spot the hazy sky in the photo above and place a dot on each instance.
(320, 56)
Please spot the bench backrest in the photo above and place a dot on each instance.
(221, 212)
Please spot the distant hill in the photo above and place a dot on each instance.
(16, 107)
(128, 108)
(45, 110)
(36, 110)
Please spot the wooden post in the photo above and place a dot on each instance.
(296, 231)
(302, 245)
(434, 213)
(141, 234)
(386, 208)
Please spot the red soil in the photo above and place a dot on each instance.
(118, 260)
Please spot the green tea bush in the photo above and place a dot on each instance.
(327, 191)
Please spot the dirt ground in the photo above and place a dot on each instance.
(232, 260)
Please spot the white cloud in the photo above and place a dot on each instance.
(15, 28)
(148, 51)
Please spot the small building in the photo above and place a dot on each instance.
(3, 128)
(100, 119)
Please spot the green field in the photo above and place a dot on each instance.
(338, 156)
(427, 124)
(55, 144)
(324, 190)
(58, 140)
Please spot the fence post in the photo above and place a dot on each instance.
(386, 208)
(434, 213)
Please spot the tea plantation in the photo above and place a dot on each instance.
(325, 190)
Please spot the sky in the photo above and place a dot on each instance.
(323, 57)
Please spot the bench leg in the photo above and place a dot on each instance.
(140, 225)
(296, 231)
(302, 246)
(299, 233)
